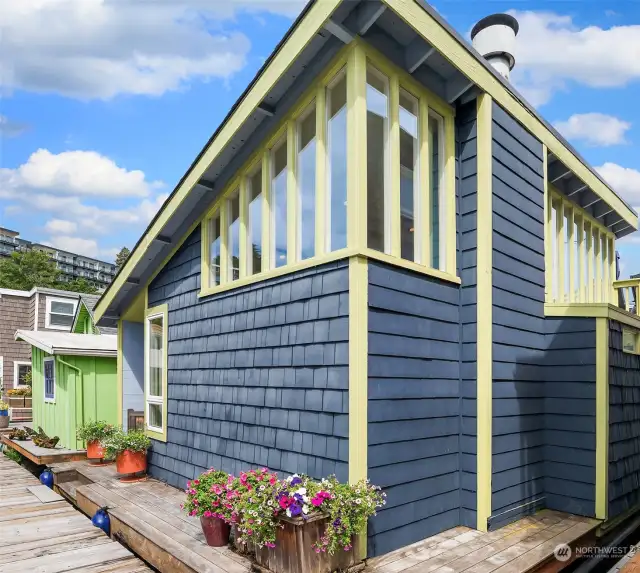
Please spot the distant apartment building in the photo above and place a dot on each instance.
(71, 265)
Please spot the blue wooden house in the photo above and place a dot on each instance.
(386, 263)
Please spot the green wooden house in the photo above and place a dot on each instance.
(74, 380)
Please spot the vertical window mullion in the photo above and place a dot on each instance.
(597, 252)
(392, 207)
(560, 249)
(612, 270)
(224, 236)
(604, 242)
(293, 218)
(242, 263)
(581, 260)
(448, 224)
(267, 245)
(423, 220)
(321, 227)
(589, 236)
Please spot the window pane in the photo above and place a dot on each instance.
(23, 371)
(436, 128)
(254, 229)
(629, 341)
(234, 236)
(408, 173)
(60, 319)
(214, 250)
(307, 183)
(156, 355)
(377, 143)
(279, 201)
(155, 415)
(62, 307)
(337, 164)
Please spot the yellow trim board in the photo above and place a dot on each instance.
(602, 417)
(592, 310)
(484, 319)
(162, 309)
(119, 368)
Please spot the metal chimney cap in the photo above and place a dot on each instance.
(496, 20)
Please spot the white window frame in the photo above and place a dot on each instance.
(442, 191)
(16, 367)
(47, 321)
(160, 400)
(310, 109)
(47, 399)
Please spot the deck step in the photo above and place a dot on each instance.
(68, 489)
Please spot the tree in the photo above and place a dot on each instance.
(78, 285)
(122, 256)
(23, 271)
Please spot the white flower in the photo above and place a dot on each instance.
(305, 509)
(305, 499)
(302, 491)
(288, 513)
(270, 503)
(358, 501)
(261, 488)
(259, 522)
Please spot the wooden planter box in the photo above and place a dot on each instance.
(20, 401)
(294, 553)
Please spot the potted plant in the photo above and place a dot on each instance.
(298, 525)
(94, 433)
(4, 415)
(129, 449)
(210, 497)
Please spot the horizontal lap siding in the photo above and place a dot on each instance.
(518, 321)
(570, 424)
(466, 134)
(413, 405)
(258, 376)
(624, 425)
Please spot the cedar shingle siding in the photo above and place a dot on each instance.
(14, 315)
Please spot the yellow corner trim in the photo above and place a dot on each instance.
(358, 359)
(484, 322)
(602, 417)
(592, 310)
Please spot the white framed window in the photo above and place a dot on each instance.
(438, 191)
(279, 207)
(306, 182)
(156, 330)
(254, 222)
(60, 313)
(409, 177)
(214, 249)
(233, 236)
(49, 379)
(21, 368)
(630, 341)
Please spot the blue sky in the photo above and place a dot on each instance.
(104, 109)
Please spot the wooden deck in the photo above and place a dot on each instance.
(525, 545)
(41, 532)
(146, 516)
(43, 456)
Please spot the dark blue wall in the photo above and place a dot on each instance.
(258, 376)
(466, 136)
(570, 408)
(624, 424)
(518, 320)
(414, 406)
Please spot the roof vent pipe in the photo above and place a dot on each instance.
(494, 37)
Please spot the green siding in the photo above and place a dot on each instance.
(84, 324)
(92, 396)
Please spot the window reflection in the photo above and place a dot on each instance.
(279, 203)
(337, 163)
(234, 236)
(306, 178)
(254, 223)
(408, 115)
(214, 250)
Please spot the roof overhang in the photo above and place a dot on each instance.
(59, 344)
(409, 33)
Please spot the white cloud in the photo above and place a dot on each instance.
(10, 128)
(87, 247)
(60, 227)
(553, 52)
(624, 180)
(102, 48)
(596, 129)
(76, 173)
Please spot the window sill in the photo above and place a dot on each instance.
(328, 258)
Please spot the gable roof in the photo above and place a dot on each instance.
(85, 308)
(70, 344)
(412, 35)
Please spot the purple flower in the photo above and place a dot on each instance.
(295, 509)
(296, 481)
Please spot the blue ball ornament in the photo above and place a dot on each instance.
(46, 478)
(101, 520)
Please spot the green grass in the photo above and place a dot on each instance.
(13, 455)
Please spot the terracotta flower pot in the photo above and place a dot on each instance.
(95, 451)
(216, 531)
(129, 462)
